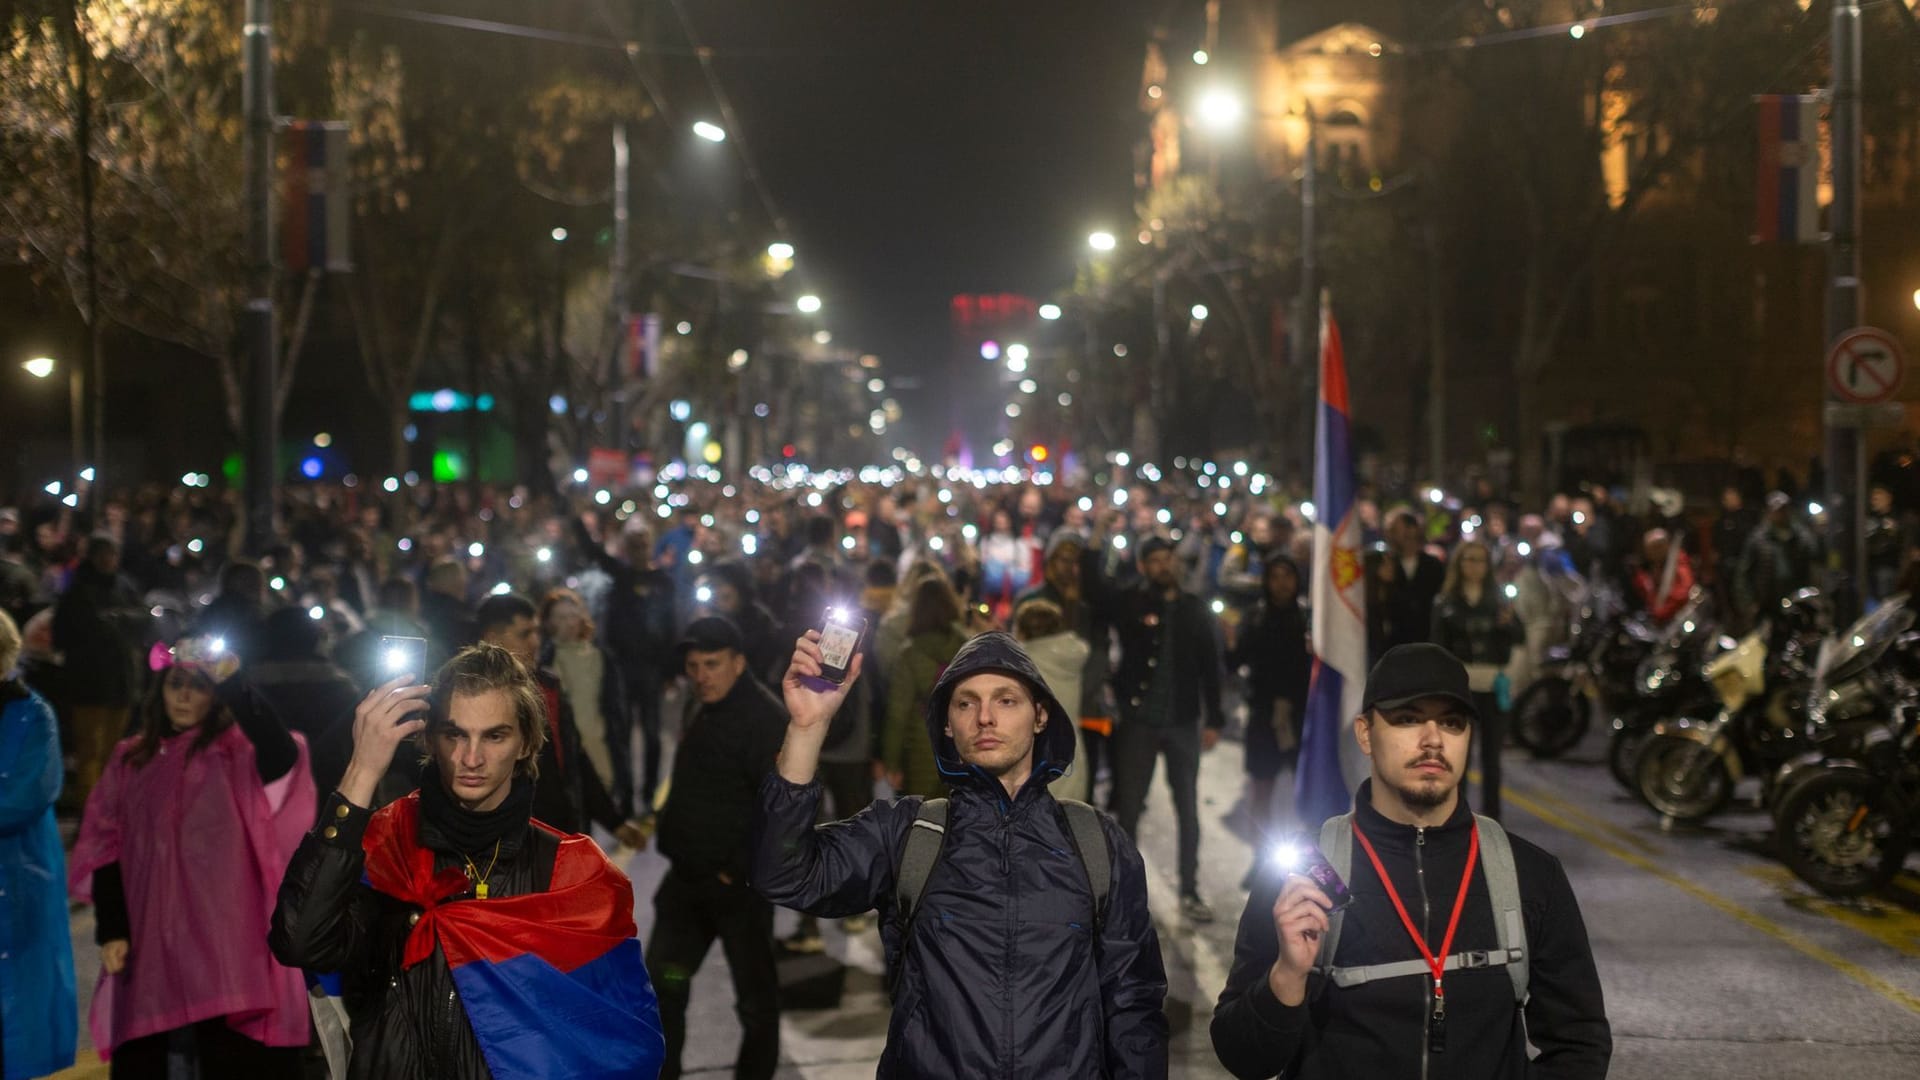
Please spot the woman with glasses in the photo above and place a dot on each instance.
(1473, 620)
(181, 850)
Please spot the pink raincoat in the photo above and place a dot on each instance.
(201, 844)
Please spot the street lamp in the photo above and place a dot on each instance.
(713, 133)
(1916, 299)
(43, 367)
(1050, 312)
(1101, 241)
(559, 235)
(1199, 313)
(808, 304)
(1220, 109)
(780, 252)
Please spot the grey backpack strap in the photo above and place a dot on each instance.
(1503, 889)
(1336, 843)
(918, 857)
(1090, 843)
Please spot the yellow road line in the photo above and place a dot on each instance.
(1567, 824)
(1894, 927)
(1625, 836)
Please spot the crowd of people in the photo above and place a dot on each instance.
(233, 735)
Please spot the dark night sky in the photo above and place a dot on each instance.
(921, 148)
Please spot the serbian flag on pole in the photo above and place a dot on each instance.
(315, 210)
(552, 982)
(1328, 754)
(1786, 209)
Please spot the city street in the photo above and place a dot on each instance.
(1717, 963)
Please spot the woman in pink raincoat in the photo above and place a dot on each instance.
(181, 850)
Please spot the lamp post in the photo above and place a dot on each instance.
(43, 367)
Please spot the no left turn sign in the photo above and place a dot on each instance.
(1865, 366)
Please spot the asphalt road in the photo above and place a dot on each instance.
(1715, 960)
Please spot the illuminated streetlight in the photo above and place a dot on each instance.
(559, 236)
(713, 133)
(1916, 298)
(780, 252)
(808, 304)
(1017, 351)
(1200, 313)
(1578, 30)
(1051, 312)
(1220, 109)
(1200, 57)
(1101, 241)
(41, 367)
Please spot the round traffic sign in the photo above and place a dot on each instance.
(1865, 366)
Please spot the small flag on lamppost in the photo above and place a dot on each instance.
(316, 187)
(1786, 206)
(643, 346)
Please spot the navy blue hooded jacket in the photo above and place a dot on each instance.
(1003, 976)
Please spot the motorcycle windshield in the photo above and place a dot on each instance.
(1861, 646)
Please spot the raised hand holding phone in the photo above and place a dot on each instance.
(391, 714)
(812, 699)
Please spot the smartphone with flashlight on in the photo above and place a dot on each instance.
(841, 633)
(404, 656)
(1302, 857)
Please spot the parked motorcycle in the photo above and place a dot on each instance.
(1592, 674)
(1688, 767)
(1670, 682)
(1845, 823)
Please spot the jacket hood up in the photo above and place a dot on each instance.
(998, 651)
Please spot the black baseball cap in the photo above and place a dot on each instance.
(1408, 673)
(711, 633)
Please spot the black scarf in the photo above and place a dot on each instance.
(445, 826)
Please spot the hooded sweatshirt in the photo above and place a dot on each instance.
(1004, 970)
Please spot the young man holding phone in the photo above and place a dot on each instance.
(447, 909)
(1459, 944)
(1007, 956)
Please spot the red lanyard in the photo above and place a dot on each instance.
(1437, 963)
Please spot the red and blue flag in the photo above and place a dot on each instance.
(1786, 206)
(553, 982)
(1338, 594)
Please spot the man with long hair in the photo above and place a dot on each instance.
(456, 895)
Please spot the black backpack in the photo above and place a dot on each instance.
(928, 836)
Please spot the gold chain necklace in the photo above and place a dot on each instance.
(479, 879)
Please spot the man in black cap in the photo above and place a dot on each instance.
(727, 748)
(1432, 965)
(1167, 686)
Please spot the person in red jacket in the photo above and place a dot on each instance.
(1664, 579)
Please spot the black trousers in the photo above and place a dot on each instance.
(687, 915)
(1134, 748)
(645, 689)
(1489, 735)
(220, 1052)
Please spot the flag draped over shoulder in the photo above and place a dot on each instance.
(1338, 594)
(553, 982)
